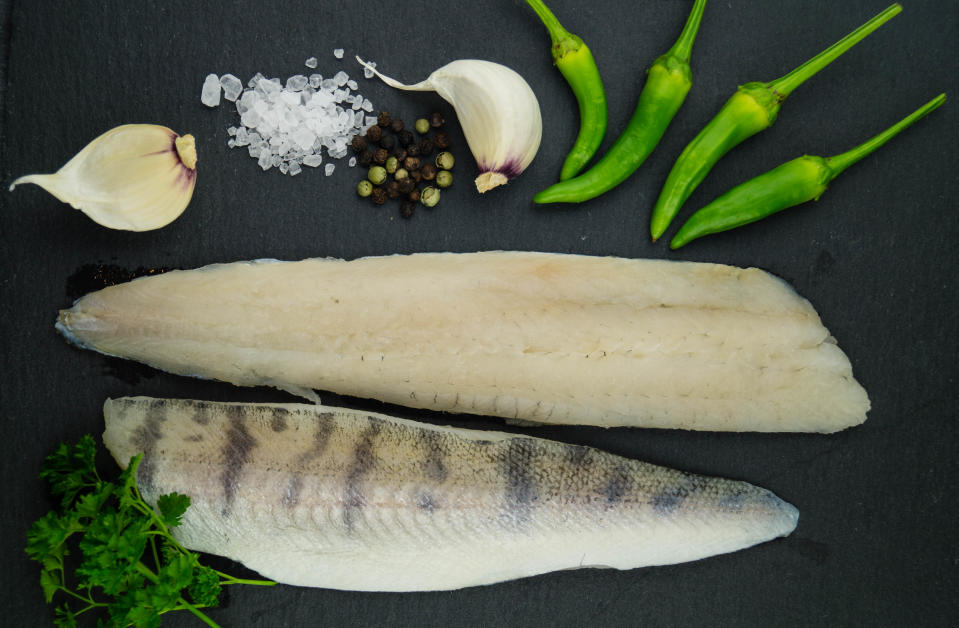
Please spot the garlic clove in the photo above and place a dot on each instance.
(135, 177)
(497, 109)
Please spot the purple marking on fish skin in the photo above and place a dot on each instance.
(511, 169)
(144, 439)
(236, 453)
(364, 460)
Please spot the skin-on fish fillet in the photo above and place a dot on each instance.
(539, 337)
(327, 497)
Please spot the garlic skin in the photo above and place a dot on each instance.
(135, 177)
(497, 109)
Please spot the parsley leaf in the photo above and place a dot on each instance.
(127, 555)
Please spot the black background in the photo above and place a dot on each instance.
(877, 542)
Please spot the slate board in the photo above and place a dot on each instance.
(877, 542)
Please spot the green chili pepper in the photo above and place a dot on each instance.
(669, 81)
(753, 108)
(576, 63)
(793, 183)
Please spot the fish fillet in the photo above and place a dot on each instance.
(539, 337)
(326, 497)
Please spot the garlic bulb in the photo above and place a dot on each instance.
(135, 177)
(497, 109)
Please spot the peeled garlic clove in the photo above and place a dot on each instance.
(135, 177)
(497, 109)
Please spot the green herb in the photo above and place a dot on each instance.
(130, 566)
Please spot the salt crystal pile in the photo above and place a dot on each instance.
(286, 125)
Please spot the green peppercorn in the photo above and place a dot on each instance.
(422, 126)
(407, 185)
(400, 173)
(444, 161)
(358, 143)
(406, 209)
(364, 188)
(428, 171)
(378, 196)
(426, 147)
(441, 140)
(377, 175)
(436, 120)
(430, 196)
(414, 195)
(365, 158)
(388, 142)
(405, 138)
(444, 178)
(392, 164)
(393, 189)
(411, 163)
(383, 119)
(396, 125)
(380, 156)
(374, 134)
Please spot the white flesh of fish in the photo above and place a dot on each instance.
(327, 497)
(540, 337)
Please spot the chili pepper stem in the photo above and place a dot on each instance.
(563, 41)
(683, 48)
(840, 162)
(785, 85)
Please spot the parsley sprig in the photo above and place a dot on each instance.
(130, 565)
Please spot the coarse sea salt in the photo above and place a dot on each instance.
(287, 124)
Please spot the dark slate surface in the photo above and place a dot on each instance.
(877, 543)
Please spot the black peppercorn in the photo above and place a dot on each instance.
(413, 150)
(379, 196)
(416, 175)
(380, 156)
(428, 171)
(365, 158)
(384, 119)
(411, 163)
(426, 147)
(414, 195)
(388, 142)
(406, 210)
(406, 185)
(405, 138)
(393, 189)
(358, 144)
(374, 134)
(436, 120)
(441, 140)
(399, 153)
(397, 125)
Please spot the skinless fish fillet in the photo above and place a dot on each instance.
(327, 497)
(540, 337)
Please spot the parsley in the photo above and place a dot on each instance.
(130, 565)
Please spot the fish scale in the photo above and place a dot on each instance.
(328, 497)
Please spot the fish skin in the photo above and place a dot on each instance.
(540, 337)
(334, 498)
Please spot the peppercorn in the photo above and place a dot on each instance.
(365, 158)
(416, 175)
(430, 196)
(422, 126)
(374, 134)
(436, 120)
(413, 150)
(383, 119)
(405, 138)
(414, 195)
(377, 175)
(397, 125)
(444, 178)
(411, 163)
(364, 188)
(399, 153)
(407, 185)
(358, 144)
(388, 142)
(380, 156)
(378, 196)
(428, 171)
(401, 174)
(426, 147)
(393, 189)
(406, 210)
(444, 161)
(441, 140)
(392, 164)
